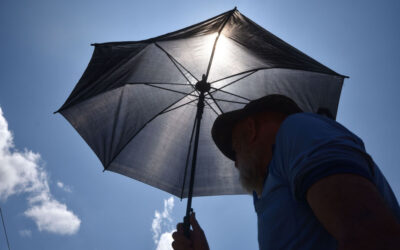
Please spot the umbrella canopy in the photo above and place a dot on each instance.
(136, 103)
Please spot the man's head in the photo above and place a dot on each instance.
(246, 136)
(252, 140)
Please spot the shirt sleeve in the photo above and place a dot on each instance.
(315, 148)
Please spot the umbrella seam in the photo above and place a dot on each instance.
(216, 40)
(100, 78)
(116, 117)
(267, 68)
(295, 49)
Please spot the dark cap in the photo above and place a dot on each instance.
(224, 124)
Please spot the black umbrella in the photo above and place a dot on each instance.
(139, 105)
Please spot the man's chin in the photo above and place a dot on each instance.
(251, 184)
(248, 185)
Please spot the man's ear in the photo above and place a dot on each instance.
(250, 130)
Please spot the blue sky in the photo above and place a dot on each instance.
(45, 47)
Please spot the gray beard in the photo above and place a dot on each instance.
(247, 184)
(251, 177)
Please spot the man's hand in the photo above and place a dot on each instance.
(197, 239)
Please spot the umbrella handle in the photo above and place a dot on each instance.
(186, 224)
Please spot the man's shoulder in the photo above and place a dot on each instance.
(309, 123)
(303, 131)
(309, 119)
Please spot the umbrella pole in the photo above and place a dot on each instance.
(203, 87)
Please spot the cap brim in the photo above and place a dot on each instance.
(224, 124)
(222, 131)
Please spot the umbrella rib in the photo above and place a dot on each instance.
(250, 73)
(176, 91)
(169, 110)
(222, 100)
(212, 97)
(240, 73)
(190, 94)
(229, 93)
(4, 226)
(216, 40)
(187, 157)
(162, 111)
(175, 62)
(264, 68)
(184, 103)
(144, 125)
(209, 105)
(166, 83)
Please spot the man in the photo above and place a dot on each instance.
(314, 185)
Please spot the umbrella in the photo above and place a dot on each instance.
(146, 107)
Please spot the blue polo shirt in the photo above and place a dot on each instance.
(308, 148)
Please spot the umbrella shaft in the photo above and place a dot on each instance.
(199, 114)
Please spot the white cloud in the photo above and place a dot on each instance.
(162, 222)
(64, 187)
(21, 172)
(165, 241)
(25, 233)
(53, 216)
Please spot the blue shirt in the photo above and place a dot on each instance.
(308, 148)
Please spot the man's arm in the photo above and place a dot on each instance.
(352, 210)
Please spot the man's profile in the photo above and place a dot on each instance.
(314, 185)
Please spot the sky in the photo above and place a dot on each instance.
(53, 193)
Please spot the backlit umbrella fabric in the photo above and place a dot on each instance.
(136, 103)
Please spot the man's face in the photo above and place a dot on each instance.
(249, 164)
